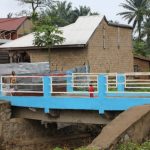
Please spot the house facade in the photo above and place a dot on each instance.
(91, 41)
(141, 64)
(109, 49)
(13, 28)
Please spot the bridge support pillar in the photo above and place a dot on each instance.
(121, 82)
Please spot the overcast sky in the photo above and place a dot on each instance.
(107, 7)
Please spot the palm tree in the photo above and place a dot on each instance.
(136, 11)
(61, 13)
(146, 31)
(82, 11)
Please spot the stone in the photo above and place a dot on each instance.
(126, 138)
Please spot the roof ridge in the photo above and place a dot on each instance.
(11, 19)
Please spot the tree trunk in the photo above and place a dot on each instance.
(139, 30)
(49, 57)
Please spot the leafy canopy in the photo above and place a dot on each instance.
(63, 13)
(135, 11)
(46, 34)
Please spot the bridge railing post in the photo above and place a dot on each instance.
(102, 87)
(47, 86)
(120, 82)
(69, 82)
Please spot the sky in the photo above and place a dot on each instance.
(109, 8)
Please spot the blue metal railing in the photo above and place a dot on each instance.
(104, 100)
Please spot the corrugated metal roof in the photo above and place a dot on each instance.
(10, 24)
(2, 41)
(142, 57)
(77, 33)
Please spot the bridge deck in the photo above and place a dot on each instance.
(75, 95)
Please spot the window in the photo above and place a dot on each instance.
(20, 57)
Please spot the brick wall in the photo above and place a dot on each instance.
(110, 50)
(64, 59)
(107, 51)
(40, 55)
(141, 65)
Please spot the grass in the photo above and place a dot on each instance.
(127, 146)
(134, 146)
(82, 148)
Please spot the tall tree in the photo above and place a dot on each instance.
(35, 4)
(135, 12)
(147, 31)
(63, 13)
(147, 25)
(47, 35)
(9, 15)
(82, 11)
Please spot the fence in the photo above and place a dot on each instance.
(112, 91)
(77, 83)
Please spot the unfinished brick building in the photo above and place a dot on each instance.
(141, 64)
(91, 40)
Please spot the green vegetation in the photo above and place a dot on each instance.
(127, 146)
(82, 148)
(46, 34)
(61, 12)
(138, 13)
(133, 146)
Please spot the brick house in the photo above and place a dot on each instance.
(141, 64)
(91, 40)
(13, 28)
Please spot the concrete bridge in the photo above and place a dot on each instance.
(67, 96)
(66, 99)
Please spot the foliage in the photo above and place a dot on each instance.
(126, 146)
(133, 146)
(146, 31)
(140, 47)
(136, 10)
(82, 148)
(57, 148)
(35, 4)
(82, 11)
(63, 13)
(46, 34)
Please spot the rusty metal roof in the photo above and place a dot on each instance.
(11, 24)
